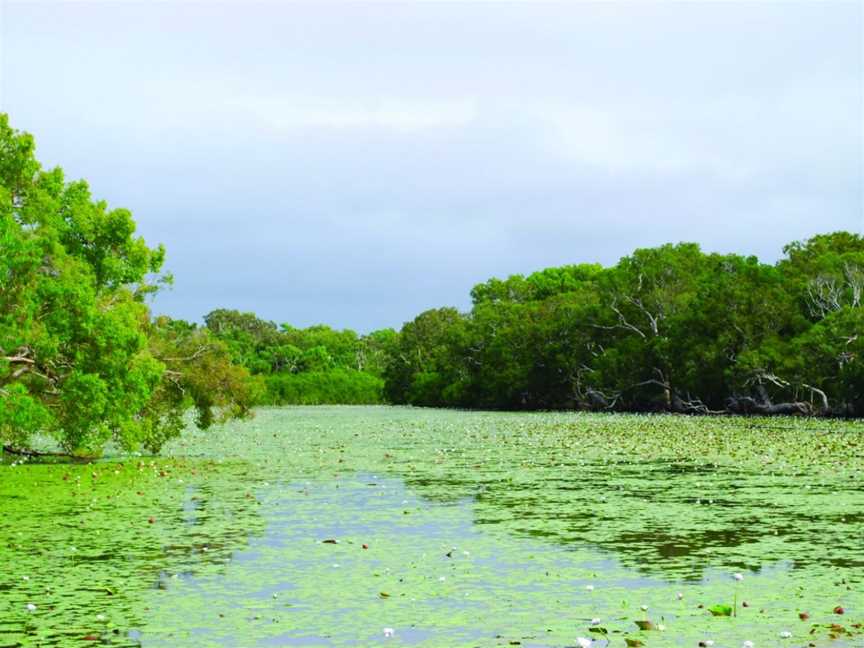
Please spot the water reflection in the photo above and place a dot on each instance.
(482, 530)
(84, 544)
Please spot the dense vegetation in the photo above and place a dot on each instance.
(80, 357)
(668, 328)
(312, 366)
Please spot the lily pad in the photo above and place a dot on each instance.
(720, 610)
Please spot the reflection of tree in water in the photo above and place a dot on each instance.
(667, 520)
(83, 546)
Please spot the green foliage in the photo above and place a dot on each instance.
(77, 356)
(425, 361)
(310, 366)
(335, 386)
(666, 329)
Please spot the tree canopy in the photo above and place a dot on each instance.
(309, 366)
(670, 328)
(80, 358)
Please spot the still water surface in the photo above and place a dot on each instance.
(451, 529)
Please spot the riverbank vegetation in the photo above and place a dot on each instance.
(313, 366)
(80, 357)
(671, 328)
(666, 329)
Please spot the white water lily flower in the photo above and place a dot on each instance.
(644, 608)
(747, 644)
(100, 617)
(31, 607)
(738, 576)
(708, 642)
(595, 622)
(26, 577)
(680, 595)
(389, 632)
(661, 627)
(590, 588)
(582, 642)
(785, 634)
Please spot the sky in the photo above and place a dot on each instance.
(356, 164)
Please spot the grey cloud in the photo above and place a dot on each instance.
(355, 164)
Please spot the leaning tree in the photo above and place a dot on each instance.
(80, 358)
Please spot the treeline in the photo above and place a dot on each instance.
(312, 366)
(666, 329)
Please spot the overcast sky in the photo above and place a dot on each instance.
(357, 164)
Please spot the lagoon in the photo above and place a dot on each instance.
(361, 526)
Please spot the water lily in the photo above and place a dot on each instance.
(747, 644)
(785, 634)
(590, 588)
(31, 607)
(100, 617)
(389, 632)
(582, 642)
(661, 627)
(738, 578)
(680, 595)
(595, 622)
(644, 608)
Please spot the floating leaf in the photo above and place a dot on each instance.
(720, 610)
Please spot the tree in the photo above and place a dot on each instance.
(667, 328)
(427, 360)
(76, 361)
(826, 272)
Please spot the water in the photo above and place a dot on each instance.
(481, 530)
